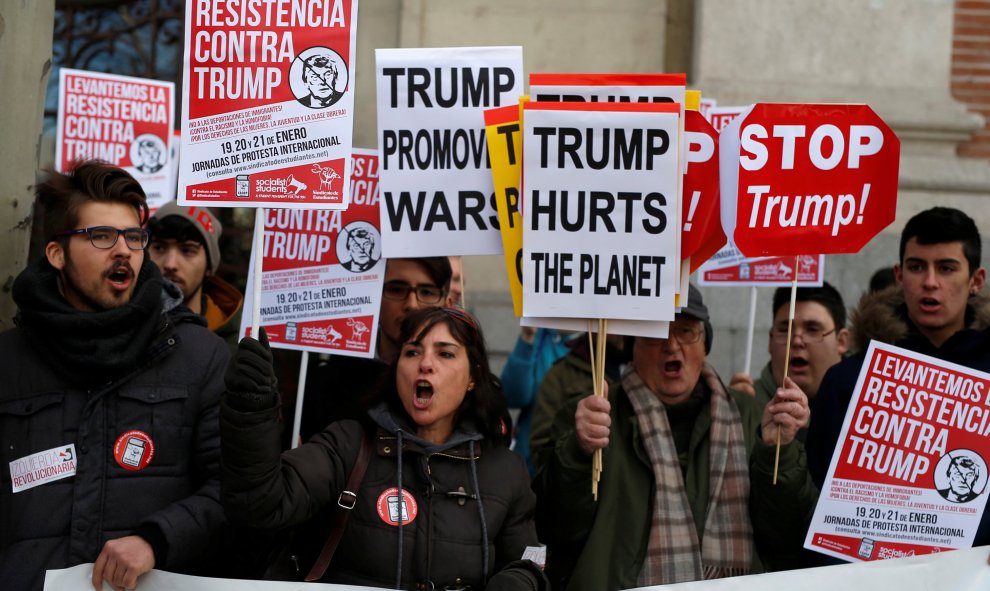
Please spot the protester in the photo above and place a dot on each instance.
(882, 278)
(935, 309)
(109, 380)
(185, 244)
(443, 504)
(536, 350)
(569, 380)
(339, 386)
(819, 339)
(686, 490)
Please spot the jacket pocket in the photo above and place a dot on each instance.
(160, 412)
(29, 425)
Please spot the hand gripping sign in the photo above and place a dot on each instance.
(807, 178)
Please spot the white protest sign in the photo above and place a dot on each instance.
(268, 106)
(607, 170)
(909, 475)
(438, 198)
(961, 570)
(762, 271)
(121, 120)
(323, 272)
(77, 578)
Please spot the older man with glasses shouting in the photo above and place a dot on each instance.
(686, 490)
(108, 412)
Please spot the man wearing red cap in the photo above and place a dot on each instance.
(185, 244)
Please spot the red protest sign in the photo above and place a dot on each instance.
(701, 227)
(807, 178)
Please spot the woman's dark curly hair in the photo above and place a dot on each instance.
(485, 404)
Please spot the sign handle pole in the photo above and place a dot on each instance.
(300, 392)
(598, 367)
(259, 246)
(787, 357)
(751, 329)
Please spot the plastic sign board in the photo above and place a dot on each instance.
(807, 178)
(268, 104)
(437, 193)
(121, 120)
(764, 272)
(323, 270)
(577, 183)
(701, 224)
(909, 475)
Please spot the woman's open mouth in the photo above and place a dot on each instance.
(424, 394)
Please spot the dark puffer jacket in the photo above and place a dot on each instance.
(441, 546)
(883, 317)
(172, 395)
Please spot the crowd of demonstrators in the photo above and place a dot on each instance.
(535, 351)
(936, 309)
(818, 340)
(444, 503)
(185, 244)
(116, 374)
(343, 387)
(687, 489)
(119, 383)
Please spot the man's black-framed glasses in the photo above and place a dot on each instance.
(106, 236)
(399, 290)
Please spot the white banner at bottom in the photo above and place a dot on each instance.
(77, 578)
(958, 570)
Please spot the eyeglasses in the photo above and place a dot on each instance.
(399, 290)
(685, 334)
(811, 334)
(106, 236)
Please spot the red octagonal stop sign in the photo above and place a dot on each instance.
(807, 178)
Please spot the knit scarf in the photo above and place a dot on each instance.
(88, 348)
(674, 553)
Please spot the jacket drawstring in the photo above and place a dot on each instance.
(481, 514)
(398, 567)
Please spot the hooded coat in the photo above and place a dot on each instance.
(83, 380)
(467, 503)
(883, 317)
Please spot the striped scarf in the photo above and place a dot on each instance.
(674, 553)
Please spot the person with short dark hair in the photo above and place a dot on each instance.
(185, 244)
(819, 339)
(108, 412)
(686, 489)
(882, 278)
(440, 482)
(936, 309)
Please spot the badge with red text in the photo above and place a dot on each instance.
(43, 467)
(390, 508)
(134, 450)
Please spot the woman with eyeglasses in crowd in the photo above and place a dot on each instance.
(443, 504)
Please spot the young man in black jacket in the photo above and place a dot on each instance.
(108, 412)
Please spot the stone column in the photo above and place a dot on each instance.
(26, 42)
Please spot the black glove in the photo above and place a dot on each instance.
(250, 377)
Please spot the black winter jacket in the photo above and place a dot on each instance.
(172, 395)
(440, 546)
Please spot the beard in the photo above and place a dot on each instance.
(93, 296)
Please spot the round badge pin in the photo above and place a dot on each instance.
(133, 450)
(389, 507)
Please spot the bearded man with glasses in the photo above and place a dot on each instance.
(108, 412)
(686, 490)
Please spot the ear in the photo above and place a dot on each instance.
(898, 275)
(842, 341)
(977, 281)
(55, 253)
